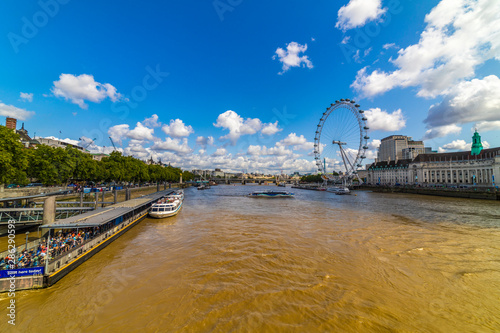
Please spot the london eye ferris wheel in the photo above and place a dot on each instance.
(340, 142)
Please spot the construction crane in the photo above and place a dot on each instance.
(112, 143)
(91, 142)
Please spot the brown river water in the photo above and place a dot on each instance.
(319, 262)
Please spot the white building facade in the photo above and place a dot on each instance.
(59, 144)
(450, 169)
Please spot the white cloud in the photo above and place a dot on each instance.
(374, 144)
(264, 151)
(173, 145)
(277, 151)
(270, 162)
(358, 12)
(136, 148)
(441, 131)
(298, 142)
(177, 129)
(485, 126)
(83, 88)
(372, 151)
(291, 140)
(345, 40)
(389, 46)
(237, 126)
(309, 146)
(460, 145)
(356, 57)
(457, 145)
(290, 57)
(205, 141)
(220, 152)
(13, 112)
(384, 121)
(178, 153)
(271, 128)
(27, 97)
(254, 150)
(120, 132)
(371, 154)
(470, 101)
(152, 121)
(459, 36)
(141, 132)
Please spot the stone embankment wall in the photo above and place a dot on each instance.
(478, 193)
(26, 191)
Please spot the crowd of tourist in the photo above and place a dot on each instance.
(59, 244)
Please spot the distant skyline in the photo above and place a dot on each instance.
(241, 85)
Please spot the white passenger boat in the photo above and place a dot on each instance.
(270, 194)
(165, 207)
(178, 194)
(339, 190)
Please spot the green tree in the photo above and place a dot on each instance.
(85, 167)
(13, 157)
(51, 165)
(312, 179)
(114, 168)
(187, 176)
(41, 165)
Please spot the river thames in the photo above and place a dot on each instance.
(319, 262)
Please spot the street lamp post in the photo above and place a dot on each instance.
(26, 246)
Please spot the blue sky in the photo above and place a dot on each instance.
(241, 85)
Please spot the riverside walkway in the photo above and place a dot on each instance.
(70, 242)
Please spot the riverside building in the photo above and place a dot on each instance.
(398, 147)
(478, 167)
(59, 144)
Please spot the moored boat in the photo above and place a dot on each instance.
(339, 190)
(271, 194)
(178, 194)
(165, 207)
(310, 187)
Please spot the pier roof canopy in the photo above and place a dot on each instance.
(104, 215)
(91, 219)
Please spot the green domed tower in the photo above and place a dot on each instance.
(477, 146)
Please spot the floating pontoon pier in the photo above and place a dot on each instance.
(111, 222)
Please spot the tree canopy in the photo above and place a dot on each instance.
(51, 166)
(13, 158)
(312, 179)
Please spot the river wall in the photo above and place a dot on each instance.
(478, 193)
